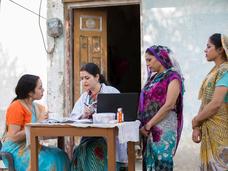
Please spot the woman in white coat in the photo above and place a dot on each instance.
(91, 154)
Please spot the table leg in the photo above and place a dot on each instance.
(34, 152)
(111, 146)
(60, 143)
(131, 155)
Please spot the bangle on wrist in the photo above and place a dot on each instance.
(145, 128)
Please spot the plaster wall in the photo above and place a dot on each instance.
(184, 26)
(55, 63)
(21, 49)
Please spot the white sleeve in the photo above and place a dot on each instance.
(110, 89)
(78, 108)
(114, 90)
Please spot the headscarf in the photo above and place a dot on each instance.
(165, 56)
(161, 53)
(224, 39)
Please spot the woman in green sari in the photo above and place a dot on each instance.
(210, 125)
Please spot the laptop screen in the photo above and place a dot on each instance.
(127, 101)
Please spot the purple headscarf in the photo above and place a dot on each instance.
(161, 53)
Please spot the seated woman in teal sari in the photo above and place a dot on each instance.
(24, 110)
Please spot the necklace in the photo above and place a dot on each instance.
(93, 97)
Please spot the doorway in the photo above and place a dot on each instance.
(123, 46)
(110, 37)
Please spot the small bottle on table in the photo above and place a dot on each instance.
(120, 115)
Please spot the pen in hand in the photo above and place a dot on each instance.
(89, 110)
(86, 104)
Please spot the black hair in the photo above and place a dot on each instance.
(216, 39)
(26, 84)
(93, 69)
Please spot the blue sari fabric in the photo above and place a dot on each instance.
(160, 145)
(50, 158)
(91, 155)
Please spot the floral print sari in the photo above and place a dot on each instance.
(159, 147)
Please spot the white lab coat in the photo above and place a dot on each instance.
(77, 112)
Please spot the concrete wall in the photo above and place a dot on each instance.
(55, 67)
(21, 49)
(184, 26)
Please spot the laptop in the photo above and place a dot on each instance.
(127, 101)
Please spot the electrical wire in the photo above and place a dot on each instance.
(26, 9)
(48, 51)
(52, 49)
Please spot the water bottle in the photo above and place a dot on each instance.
(120, 115)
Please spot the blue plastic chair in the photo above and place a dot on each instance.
(8, 157)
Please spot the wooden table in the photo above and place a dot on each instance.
(110, 134)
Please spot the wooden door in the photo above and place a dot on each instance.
(90, 42)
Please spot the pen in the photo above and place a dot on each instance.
(86, 104)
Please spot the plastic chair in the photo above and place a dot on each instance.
(8, 157)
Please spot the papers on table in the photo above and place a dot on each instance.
(66, 120)
(84, 121)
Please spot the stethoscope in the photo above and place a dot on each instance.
(89, 101)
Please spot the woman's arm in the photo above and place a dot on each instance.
(212, 107)
(15, 133)
(79, 106)
(42, 112)
(197, 135)
(171, 98)
(196, 132)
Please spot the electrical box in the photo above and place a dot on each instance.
(54, 27)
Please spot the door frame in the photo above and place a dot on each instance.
(69, 7)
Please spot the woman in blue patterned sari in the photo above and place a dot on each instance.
(160, 110)
(20, 112)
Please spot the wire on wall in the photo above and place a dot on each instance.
(26, 9)
(52, 49)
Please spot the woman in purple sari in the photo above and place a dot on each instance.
(160, 109)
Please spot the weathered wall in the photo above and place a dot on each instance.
(55, 67)
(183, 26)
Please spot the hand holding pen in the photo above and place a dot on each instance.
(88, 110)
